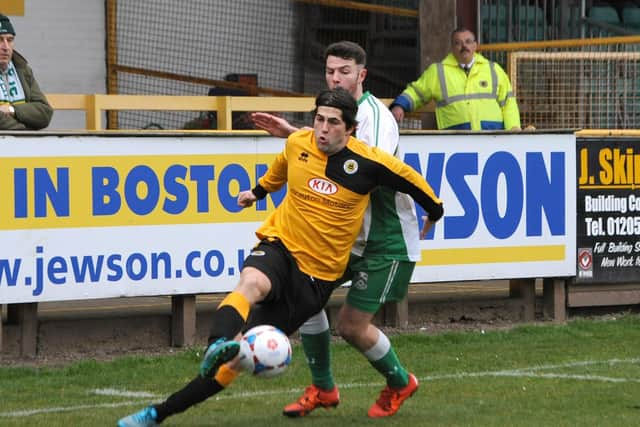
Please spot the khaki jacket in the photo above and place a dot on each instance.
(35, 113)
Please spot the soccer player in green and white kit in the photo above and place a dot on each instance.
(382, 259)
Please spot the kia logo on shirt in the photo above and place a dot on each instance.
(322, 186)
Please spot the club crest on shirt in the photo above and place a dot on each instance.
(360, 281)
(350, 167)
(483, 83)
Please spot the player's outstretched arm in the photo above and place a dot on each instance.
(246, 198)
(276, 126)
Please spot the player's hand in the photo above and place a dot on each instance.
(398, 113)
(426, 226)
(276, 126)
(246, 199)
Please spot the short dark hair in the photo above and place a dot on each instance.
(347, 50)
(343, 101)
(462, 30)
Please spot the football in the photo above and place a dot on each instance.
(265, 351)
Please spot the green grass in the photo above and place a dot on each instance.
(584, 373)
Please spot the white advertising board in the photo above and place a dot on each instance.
(510, 205)
(86, 217)
(98, 216)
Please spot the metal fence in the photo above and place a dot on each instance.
(593, 90)
(249, 47)
(582, 84)
(502, 21)
(253, 47)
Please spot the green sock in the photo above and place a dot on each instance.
(318, 352)
(389, 364)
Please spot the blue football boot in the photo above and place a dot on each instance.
(145, 418)
(217, 354)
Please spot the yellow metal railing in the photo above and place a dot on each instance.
(94, 105)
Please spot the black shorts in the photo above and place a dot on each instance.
(294, 296)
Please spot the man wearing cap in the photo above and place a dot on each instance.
(23, 106)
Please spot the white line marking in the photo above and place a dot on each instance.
(571, 377)
(26, 413)
(122, 393)
(143, 397)
(527, 371)
(583, 363)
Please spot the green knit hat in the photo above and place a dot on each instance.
(5, 26)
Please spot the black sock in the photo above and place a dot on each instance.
(227, 322)
(198, 390)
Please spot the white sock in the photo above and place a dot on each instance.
(316, 324)
(379, 349)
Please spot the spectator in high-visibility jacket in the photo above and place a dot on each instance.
(470, 92)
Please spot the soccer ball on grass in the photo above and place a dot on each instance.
(265, 351)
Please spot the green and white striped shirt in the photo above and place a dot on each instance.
(390, 227)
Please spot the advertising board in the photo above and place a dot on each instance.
(98, 216)
(608, 235)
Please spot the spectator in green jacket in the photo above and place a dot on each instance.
(470, 92)
(22, 105)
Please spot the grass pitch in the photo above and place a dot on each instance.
(586, 372)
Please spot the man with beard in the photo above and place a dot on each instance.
(470, 92)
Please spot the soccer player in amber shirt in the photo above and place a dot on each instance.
(304, 244)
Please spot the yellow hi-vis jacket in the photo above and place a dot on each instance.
(481, 100)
